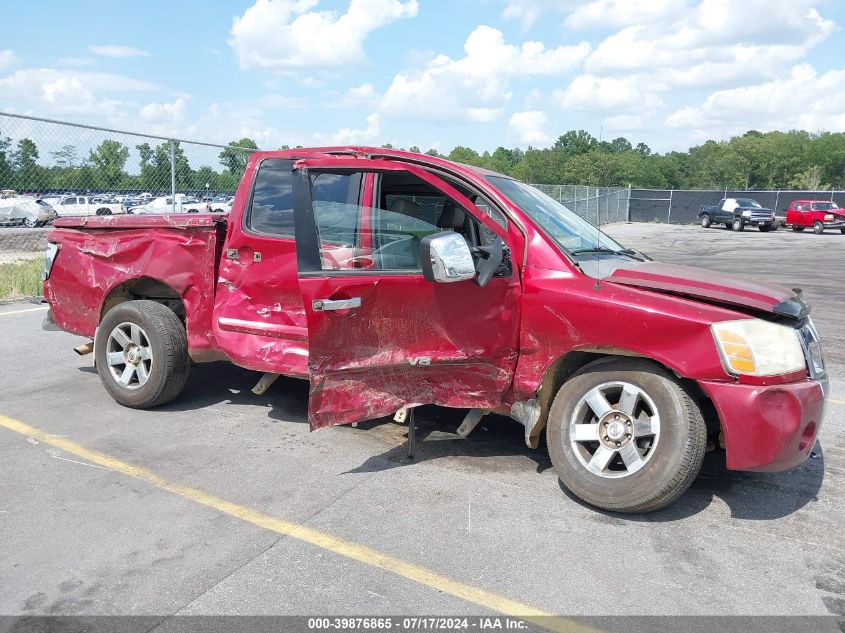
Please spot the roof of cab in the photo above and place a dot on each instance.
(359, 151)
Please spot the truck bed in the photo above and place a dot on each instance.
(105, 259)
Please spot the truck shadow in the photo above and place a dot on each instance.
(750, 496)
(497, 445)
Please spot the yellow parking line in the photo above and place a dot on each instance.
(25, 310)
(334, 544)
(836, 401)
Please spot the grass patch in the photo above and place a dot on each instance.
(21, 279)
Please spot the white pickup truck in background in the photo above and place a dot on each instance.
(164, 204)
(83, 205)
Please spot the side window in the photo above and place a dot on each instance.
(354, 237)
(271, 208)
(338, 215)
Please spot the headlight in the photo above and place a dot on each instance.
(758, 348)
(49, 259)
(746, 214)
(828, 217)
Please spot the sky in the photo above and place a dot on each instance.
(430, 73)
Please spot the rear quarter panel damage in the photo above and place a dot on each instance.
(93, 262)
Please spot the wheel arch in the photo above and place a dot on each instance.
(144, 287)
(570, 363)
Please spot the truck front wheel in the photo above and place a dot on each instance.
(818, 227)
(737, 224)
(705, 221)
(625, 436)
(142, 354)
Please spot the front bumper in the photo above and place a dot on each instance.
(834, 225)
(768, 428)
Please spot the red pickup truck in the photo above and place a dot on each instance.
(818, 214)
(392, 280)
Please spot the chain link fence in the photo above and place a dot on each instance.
(681, 206)
(599, 205)
(51, 169)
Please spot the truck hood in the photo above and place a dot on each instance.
(708, 286)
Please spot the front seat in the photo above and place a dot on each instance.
(406, 207)
(452, 217)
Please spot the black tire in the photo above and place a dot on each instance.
(765, 228)
(166, 337)
(738, 225)
(705, 222)
(842, 231)
(728, 226)
(103, 211)
(775, 226)
(818, 227)
(30, 223)
(797, 229)
(677, 455)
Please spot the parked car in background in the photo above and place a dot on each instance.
(392, 280)
(220, 205)
(83, 205)
(737, 213)
(164, 204)
(16, 210)
(818, 214)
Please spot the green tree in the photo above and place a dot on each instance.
(26, 155)
(148, 171)
(465, 155)
(161, 166)
(65, 157)
(108, 160)
(234, 158)
(576, 142)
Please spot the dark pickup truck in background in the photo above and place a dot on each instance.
(737, 213)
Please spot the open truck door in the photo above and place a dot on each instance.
(381, 336)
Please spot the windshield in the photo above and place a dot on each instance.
(748, 202)
(571, 232)
(824, 206)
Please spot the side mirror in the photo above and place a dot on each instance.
(446, 257)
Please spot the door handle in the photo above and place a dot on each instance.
(336, 304)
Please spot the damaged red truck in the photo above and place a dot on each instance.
(392, 280)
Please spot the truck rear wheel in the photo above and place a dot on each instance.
(141, 352)
(623, 435)
(797, 229)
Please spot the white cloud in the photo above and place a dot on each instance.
(716, 43)
(528, 11)
(167, 114)
(8, 58)
(530, 127)
(604, 14)
(805, 100)
(352, 136)
(590, 93)
(362, 96)
(288, 35)
(476, 86)
(112, 50)
(68, 91)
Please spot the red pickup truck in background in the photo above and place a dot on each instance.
(392, 280)
(818, 214)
